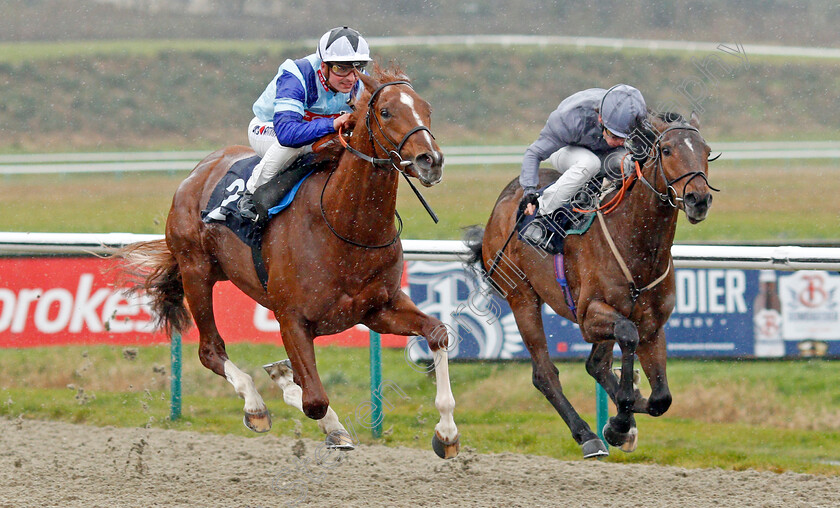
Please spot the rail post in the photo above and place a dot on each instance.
(175, 376)
(376, 384)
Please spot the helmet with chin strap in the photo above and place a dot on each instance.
(621, 108)
(343, 44)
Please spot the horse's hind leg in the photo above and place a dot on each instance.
(528, 317)
(402, 317)
(603, 323)
(337, 436)
(211, 349)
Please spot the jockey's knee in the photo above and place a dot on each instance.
(576, 158)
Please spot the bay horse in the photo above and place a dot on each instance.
(333, 258)
(604, 280)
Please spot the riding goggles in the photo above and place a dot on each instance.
(344, 69)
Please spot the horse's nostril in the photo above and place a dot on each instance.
(424, 160)
(691, 199)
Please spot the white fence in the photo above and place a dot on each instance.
(111, 162)
(685, 256)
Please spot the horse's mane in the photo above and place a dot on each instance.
(393, 72)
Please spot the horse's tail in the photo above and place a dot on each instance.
(474, 238)
(151, 268)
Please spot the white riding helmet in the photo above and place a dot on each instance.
(343, 44)
(621, 107)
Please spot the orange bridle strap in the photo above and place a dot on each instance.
(613, 203)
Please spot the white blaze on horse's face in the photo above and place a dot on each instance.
(409, 101)
(688, 142)
(429, 164)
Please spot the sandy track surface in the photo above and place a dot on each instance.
(64, 465)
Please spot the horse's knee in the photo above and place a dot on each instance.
(316, 408)
(626, 334)
(659, 403)
(438, 338)
(542, 378)
(210, 357)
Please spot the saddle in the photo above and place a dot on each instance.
(549, 232)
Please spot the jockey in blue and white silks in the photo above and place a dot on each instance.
(584, 128)
(306, 100)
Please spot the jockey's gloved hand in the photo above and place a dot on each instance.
(529, 198)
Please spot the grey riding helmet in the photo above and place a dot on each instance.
(621, 107)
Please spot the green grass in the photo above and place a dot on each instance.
(776, 416)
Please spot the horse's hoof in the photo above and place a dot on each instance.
(594, 448)
(626, 442)
(631, 441)
(446, 450)
(259, 421)
(278, 369)
(340, 440)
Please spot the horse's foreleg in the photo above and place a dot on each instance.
(652, 356)
(603, 323)
(528, 317)
(299, 343)
(211, 349)
(337, 436)
(599, 366)
(402, 317)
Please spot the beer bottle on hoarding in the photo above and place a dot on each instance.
(767, 317)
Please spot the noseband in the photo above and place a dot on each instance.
(670, 195)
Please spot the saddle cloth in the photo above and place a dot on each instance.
(279, 192)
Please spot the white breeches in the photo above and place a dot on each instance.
(576, 166)
(275, 157)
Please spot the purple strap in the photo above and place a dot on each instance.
(560, 276)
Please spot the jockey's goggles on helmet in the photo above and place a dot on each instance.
(344, 69)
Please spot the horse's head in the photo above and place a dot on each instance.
(398, 120)
(680, 158)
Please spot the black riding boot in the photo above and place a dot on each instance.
(246, 206)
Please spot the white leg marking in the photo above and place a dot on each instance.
(293, 396)
(688, 142)
(444, 401)
(409, 101)
(244, 386)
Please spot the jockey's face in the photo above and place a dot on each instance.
(339, 83)
(612, 140)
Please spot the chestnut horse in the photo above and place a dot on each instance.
(610, 308)
(333, 258)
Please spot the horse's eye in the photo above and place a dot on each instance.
(384, 113)
(666, 151)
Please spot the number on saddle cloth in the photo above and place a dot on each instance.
(222, 205)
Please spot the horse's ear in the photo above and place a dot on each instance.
(370, 82)
(694, 121)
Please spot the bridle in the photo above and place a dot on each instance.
(393, 162)
(394, 159)
(670, 195)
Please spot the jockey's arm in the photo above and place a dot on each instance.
(293, 131)
(556, 134)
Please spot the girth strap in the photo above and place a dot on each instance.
(634, 292)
